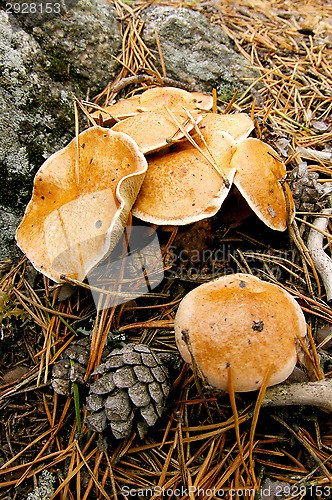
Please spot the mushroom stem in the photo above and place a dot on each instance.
(321, 260)
(306, 393)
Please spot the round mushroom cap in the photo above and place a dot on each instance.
(259, 174)
(238, 125)
(182, 186)
(203, 101)
(121, 109)
(153, 131)
(243, 323)
(158, 97)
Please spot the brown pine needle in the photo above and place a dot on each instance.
(38, 438)
(236, 416)
(231, 102)
(212, 162)
(74, 472)
(102, 291)
(214, 95)
(307, 447)
(77, 132)
(80, 104)
(161, 57)
(255, 420)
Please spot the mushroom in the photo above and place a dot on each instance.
(242, 322)
(80, 203)
(239, 125)
(153, 131)
(121, 109)
(154, 99)
(259, 176)
(305, 393)
(183, 185)
(202, 101)
(158, 97)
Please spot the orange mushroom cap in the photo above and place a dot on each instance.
(243, 323)
(78, 209)
(121, 109)
(239, 125)
(259, 174)
(153, 131)
(158, 97)
(182, 186)
(202, 101)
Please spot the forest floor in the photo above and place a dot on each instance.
(203, 443)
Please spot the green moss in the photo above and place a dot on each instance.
(15, 189)
(226, 93)
(35, 154)
(63, 125)
(5, 82)
(57, 70)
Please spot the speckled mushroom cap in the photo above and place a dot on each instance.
(174, 98)
(153, 131)
(258, 177)
(242, 322)
(202, 101)
(155, 99)
(181, 186)
(122, 109)
(76, 215)
(239, 125)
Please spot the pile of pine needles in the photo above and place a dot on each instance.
(206, 445)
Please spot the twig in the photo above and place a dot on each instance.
(296, 238)
(149, 80)
(321, 260)
(305, 393)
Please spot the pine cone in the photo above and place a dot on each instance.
(308, 194)
(71, 367)
(131, 391)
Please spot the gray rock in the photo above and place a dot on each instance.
(42, 68)
(82, 43)
(194, 51)
(276, 490)
(8, 224)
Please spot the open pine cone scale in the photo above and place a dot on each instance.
(132, 390)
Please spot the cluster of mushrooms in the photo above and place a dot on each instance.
(164, 156)
(167, 159)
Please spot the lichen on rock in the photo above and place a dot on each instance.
(196, 52)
